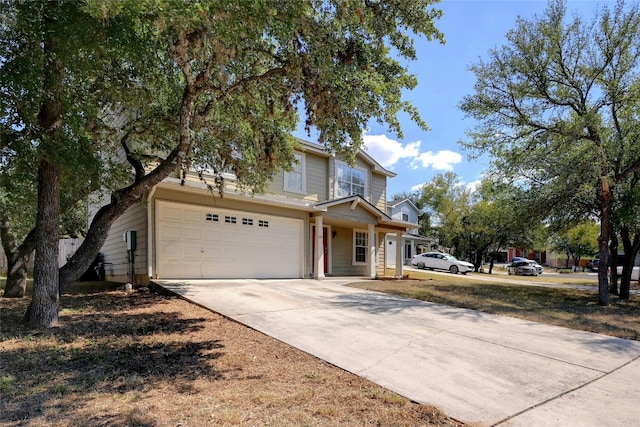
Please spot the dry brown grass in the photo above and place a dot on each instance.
(571, 308)
(144, 359)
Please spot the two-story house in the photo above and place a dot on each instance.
(412, 242)
(325, 217)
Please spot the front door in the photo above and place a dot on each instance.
(325, 247)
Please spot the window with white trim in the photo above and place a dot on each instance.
(295, 180)
(350, 181)
(360, 247)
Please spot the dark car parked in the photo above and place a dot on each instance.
(593, 265)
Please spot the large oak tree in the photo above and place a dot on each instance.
(208, 84)
(558, 109)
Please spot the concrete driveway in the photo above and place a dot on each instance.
(478, 368)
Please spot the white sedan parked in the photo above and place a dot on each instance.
(522, 268)
(440, 261)
(537, 266)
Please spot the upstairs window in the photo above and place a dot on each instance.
(294, 181)
(350, 181)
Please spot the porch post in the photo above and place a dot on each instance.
(385, 249)
(372, 250)
(319, 249)
(399, 251)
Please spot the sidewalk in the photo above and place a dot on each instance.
(478, 368)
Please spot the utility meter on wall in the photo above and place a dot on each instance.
(130, 239)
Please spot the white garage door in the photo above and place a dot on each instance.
(197, 242)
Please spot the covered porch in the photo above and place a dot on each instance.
(348, 239)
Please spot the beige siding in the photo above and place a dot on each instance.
(317, 178)
(344, 212)
(379, 192)
(277, 186)
(321, 181)
(115, 250)
(342, 254)
(317, 182)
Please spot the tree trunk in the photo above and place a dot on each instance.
(478, 259)
(45, 304)
(17, 257)
(630, 251)
(16, 285)
(613, 267)
(603, 242)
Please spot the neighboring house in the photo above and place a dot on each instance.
(412, 242)
(325, 217)
(539, 256)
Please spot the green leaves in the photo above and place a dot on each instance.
(559, 91)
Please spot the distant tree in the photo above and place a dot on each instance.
(17, 215)
(497, 219)
(446, 201)
(627, 222)
(577, 241)
(558, 110)
(214, 86)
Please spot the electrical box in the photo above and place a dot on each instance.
(130, 239)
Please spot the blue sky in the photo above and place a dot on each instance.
(471, 28)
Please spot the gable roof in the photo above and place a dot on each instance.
(356, 201)
(394, 203)
(323, 151)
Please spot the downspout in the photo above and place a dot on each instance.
(150, 233)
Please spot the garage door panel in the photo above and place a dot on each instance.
(169, 232)
(171, 212)
(199, 242)
(193, 215)
(210, 234)
(190, 269)
(193, 252)
(169, 250)
(191, 233)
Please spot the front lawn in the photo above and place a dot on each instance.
(146, 359)
(577, 309)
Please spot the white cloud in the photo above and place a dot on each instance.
(442, 160)
(388, 151)
(418, 187)
(473, 186)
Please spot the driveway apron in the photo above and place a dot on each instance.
(476, 367)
